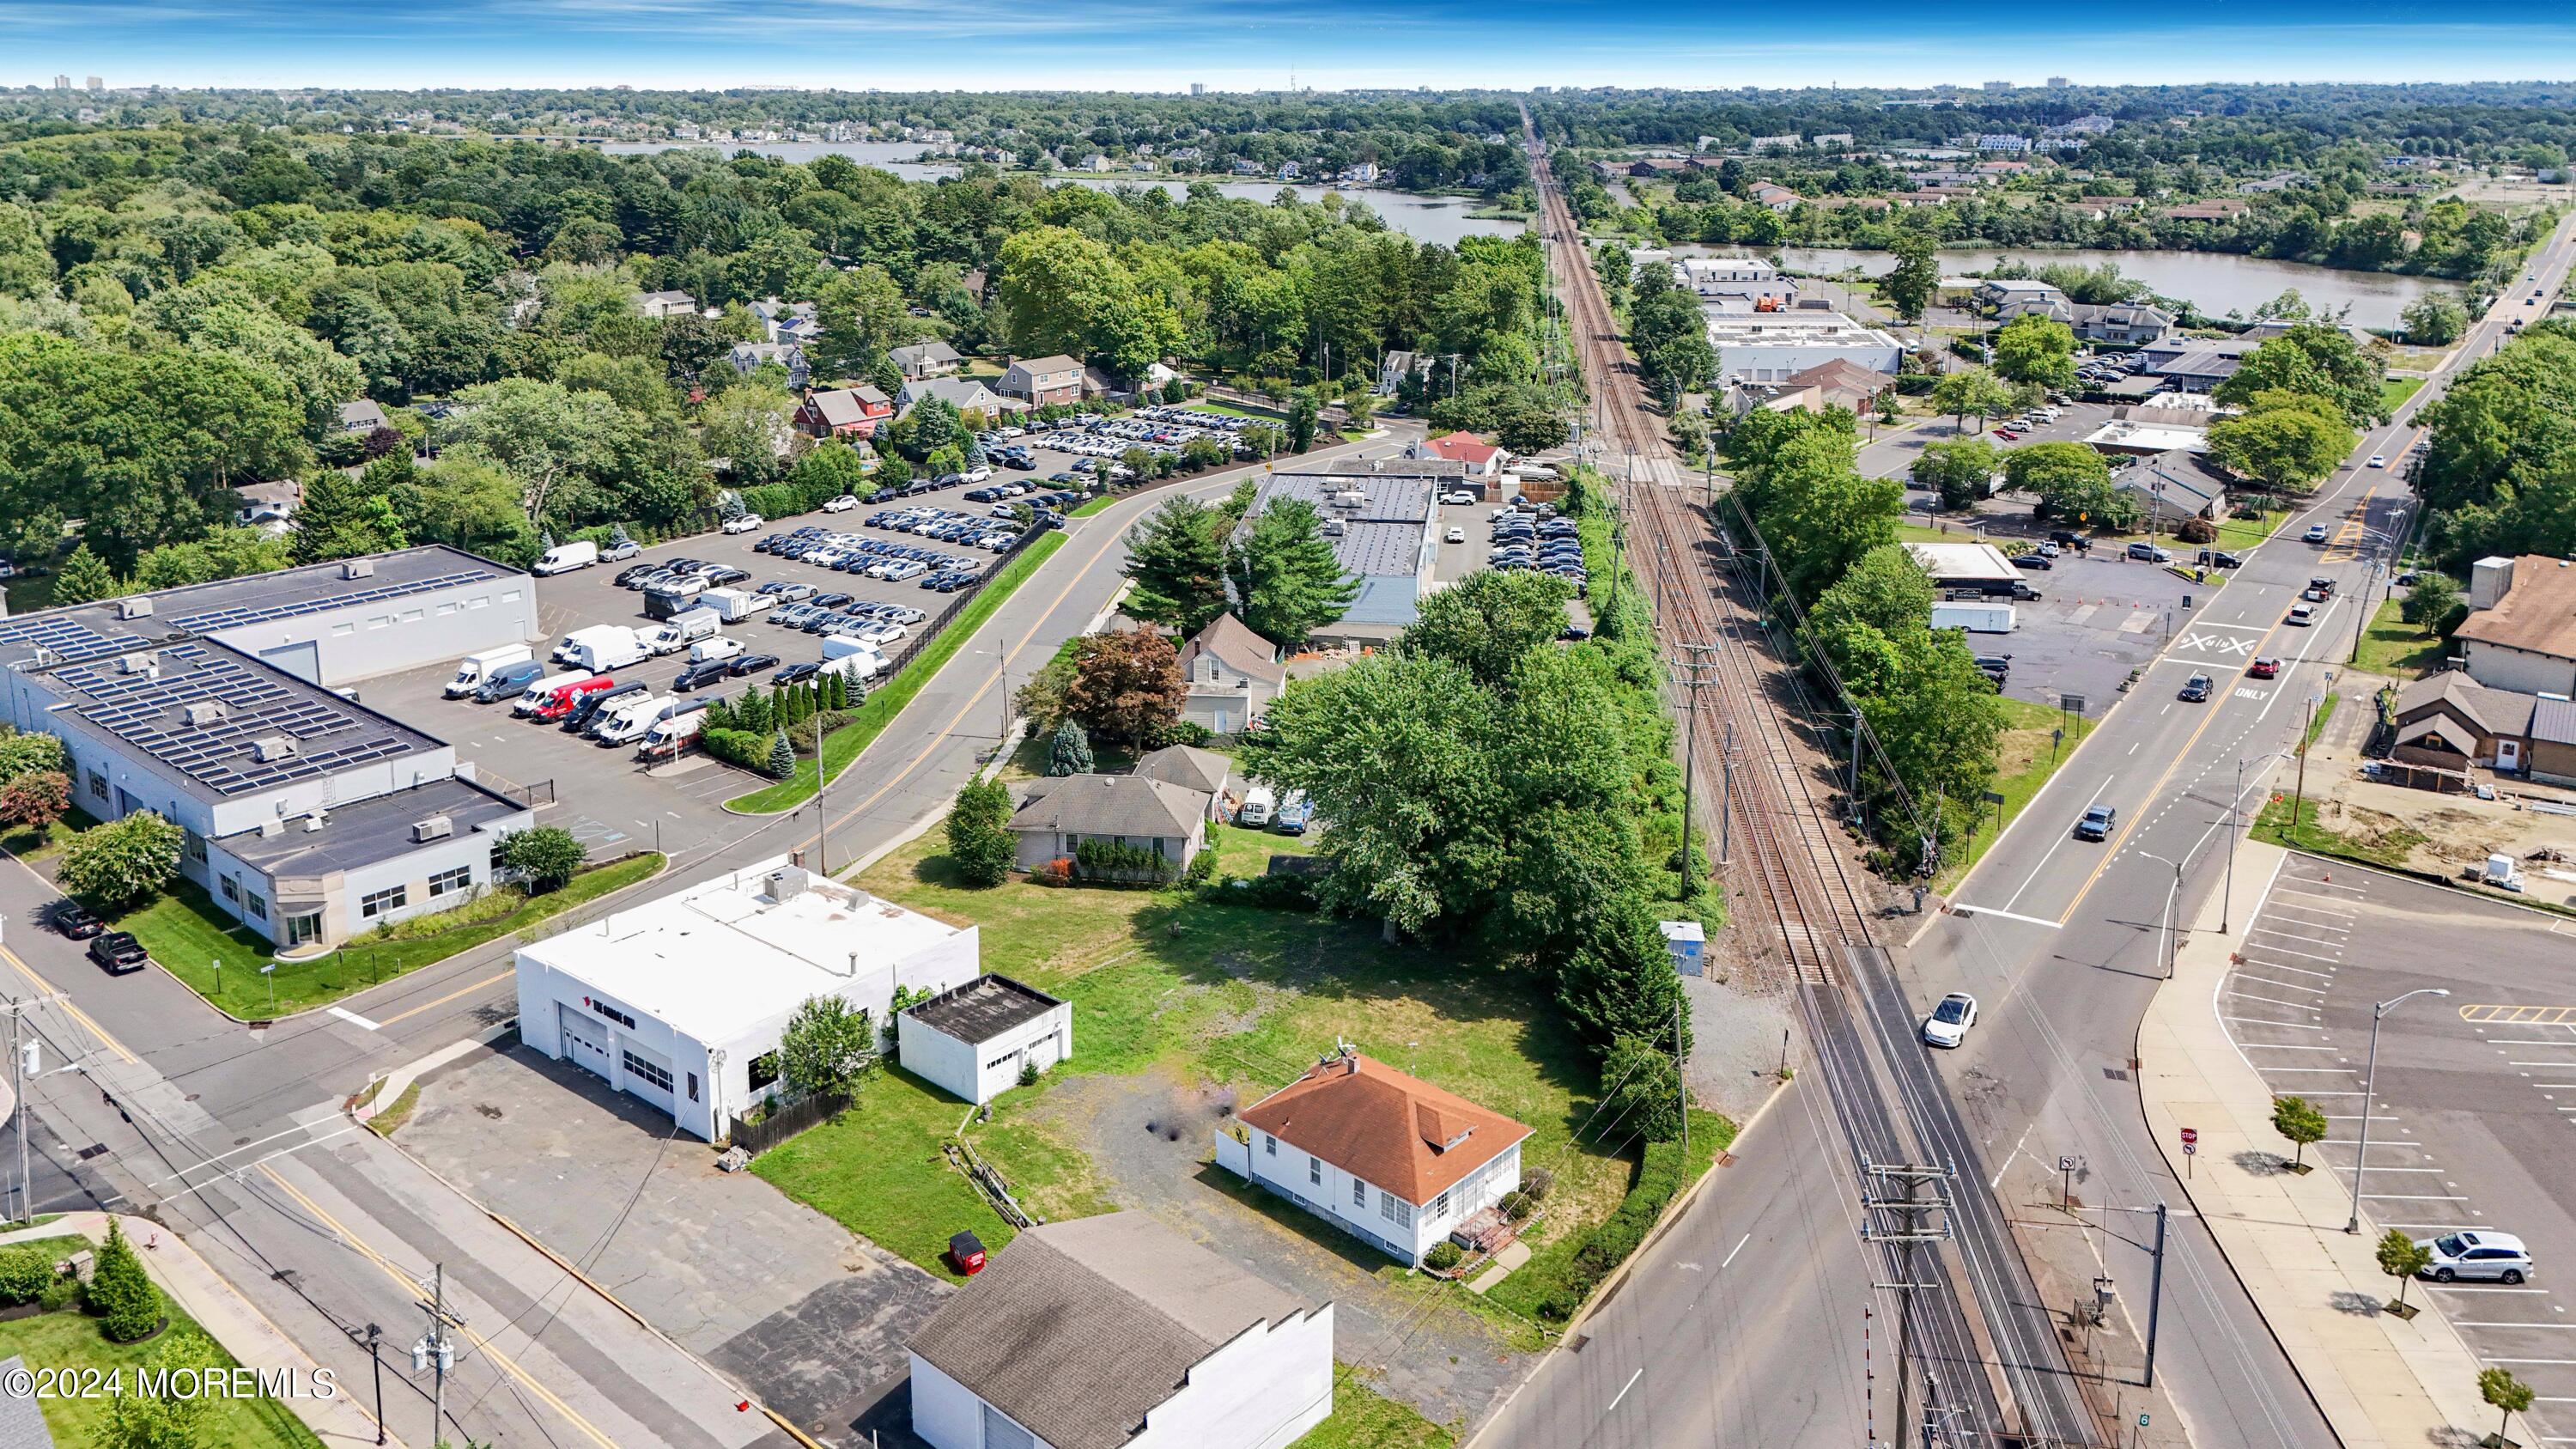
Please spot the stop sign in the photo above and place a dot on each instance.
(2190, 1135)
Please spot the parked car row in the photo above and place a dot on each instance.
(948, 526)
(1538, 540)
(877, 558)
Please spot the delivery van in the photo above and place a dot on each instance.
(506, 681)
(538, 689)
(563, 558)
(668, 737)
(474, 669)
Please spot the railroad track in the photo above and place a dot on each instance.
(1708, 594)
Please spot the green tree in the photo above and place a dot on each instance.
(119, 864)
(1176, 565)
(1126, 687)
(1970, 390)
(341, 517)
(1916, 279)
(2036, 350)
(2313, 358)
(2071, 481)
(2503, 1391)
(1069, 751)
(2401, 1258)
(979, 836)
(1488, 622)
(84, 578)
(1303, 412)
(827, 1046)
(1641, 1089)
(1286, 574)
(35, 800)
(28, 752)
(2432, 602)
(170, 1419)
(1619, 984)
(1886, 592)
(2289, 443)
(545, 856)
(1820, 514)
(782, 756)
(1961, 470)
(2435, 319)
(119, 1293)
(2300, 1122)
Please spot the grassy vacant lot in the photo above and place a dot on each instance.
(2238, 534)
(1164, 984)
(2389, 846)
(2393, 647)
(1363, 1418)
(2024, 759)
(70, 1340)
(2396, 390)
(870, 719)
(186, 934)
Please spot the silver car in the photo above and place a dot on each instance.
(2473, 1254)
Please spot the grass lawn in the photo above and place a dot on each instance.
(1363, 1418)
(1162, 983)
(1531, 1284)
(1234, 410)
(2236, 534)
(2393, 647)
(2325, 712)
(389, 1121)
(2274, 826)
(2024, 759)
(186, 934)
(1247, 852)
(33, 845)
(1100, 504)
(70, 1340)
(2396, 390)
(870, 719)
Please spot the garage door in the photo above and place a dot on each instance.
(583, 1042)
(1001, 1433)
(647, 1076)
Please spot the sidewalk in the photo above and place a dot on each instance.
(242, 1329)
(2381, 1380)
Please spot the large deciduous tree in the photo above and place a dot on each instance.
(1960, 470)
(2036, 350)
(2071, 481)
(2288, 442)
(1126, 687)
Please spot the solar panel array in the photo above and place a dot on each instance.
(70, 639)
(150, 713)
(215, 619)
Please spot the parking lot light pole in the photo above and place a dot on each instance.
(2370, 1093)
(2235, 804)
(2173, 900)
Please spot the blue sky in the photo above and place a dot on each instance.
(1246, 44)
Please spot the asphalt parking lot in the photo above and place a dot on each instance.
(2474, 1124)
(1894, 453)
(2099, 616)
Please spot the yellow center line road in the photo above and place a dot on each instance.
(467, 990)
(411, 1284)
(45, 989)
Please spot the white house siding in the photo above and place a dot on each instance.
(2501, 666)
(945, 1413)
(1262, 1391)
(979, 1072)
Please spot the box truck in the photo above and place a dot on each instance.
(853, 657)
(567, 649)
(563, 558)
(610, 646)
(474, 669)
(735, 605)
(1975, 618)
(679, 631)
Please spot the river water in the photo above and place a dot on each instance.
(1441, 219)
(2216, 282)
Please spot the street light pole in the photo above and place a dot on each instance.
(2370, 1092)
(2235, 804)
(375, 1336)
(2173, 899)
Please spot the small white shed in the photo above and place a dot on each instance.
(973, 1039)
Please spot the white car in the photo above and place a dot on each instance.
(743, 523)
(1456, 535)
(2480, 1253)
(2378, 460)
(1948, 1024)
(1460, 495)
(842, 504)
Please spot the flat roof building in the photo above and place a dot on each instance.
(975, 1040)
(1384, 510)
(680, 1001)
(1775, 346)
(1965, 565)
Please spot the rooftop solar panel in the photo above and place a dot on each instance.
(148, 710)
(211, 620)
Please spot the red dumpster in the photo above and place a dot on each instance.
(966, 1254)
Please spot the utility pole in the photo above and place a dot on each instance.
(2156, 1290)
(22, 1065)
(1895, 1212)
(822, 812)
(1726, 796)
(1681, 1088)
(1696, 672)
(436, 1351)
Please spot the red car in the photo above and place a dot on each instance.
(2265, 667)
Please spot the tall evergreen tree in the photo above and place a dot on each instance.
(1176, 563)
(782, 756)
(1069, 753)
(1286, 575)
(341, 517)
(83, 578)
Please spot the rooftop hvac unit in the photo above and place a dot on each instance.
(316, 821)
(271, 829)
(136, 664)
(134, 606)
(358, 568)
(270, 748)
(436, 827)
(202, 713)
(1350, 498)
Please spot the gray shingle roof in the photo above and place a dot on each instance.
(2553, 722)
(1078, 1329)
(1111, 805)
(1233, 644)
(1188, 767)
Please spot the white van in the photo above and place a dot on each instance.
(670, 736)
(542, 686)
(682, 630)
(610, 646)
(473, 669)
(1258, 805)
(568, 649)
(713, 648)
(563, 558)
(625, 726)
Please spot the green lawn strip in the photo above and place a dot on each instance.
(877, 1170)
(35, 845)
(2325, 711)
(1555, 1265)
(1234, 410)
(1247, 852)
(2024, 759)
(2396, 390)
(2236, 534)
(870, 719)
(2275, 826)
(70, 1340)
(2391, 646)
(1101, 504)
(186, 935)
(1934, 533)
(1363, 1418)
(389, 1121)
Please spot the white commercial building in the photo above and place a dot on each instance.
(974, 1040)
(681, 1000)
(1774, 346)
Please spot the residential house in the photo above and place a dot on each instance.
(924, 360)
(2449, 721)
(966, 394)
(2222, 209)
(267, 505)
(1395, 367)
(2096, 125)
(1483, 459)
(1365, 173)
(1203, 771)
(1117, 1332)
(787, 321)
(2002, 169)
(1935, 195)
(1778, 199)
(2003, 143)
(1653, 167)
(1093, 162)
(1789, 142)
(2012, 296)
(2521, 630)
(2123, 324)
(362, 417)
(1840, 382)
(1056, 816)
(664, 304)
(1288, 170)
(2099, 208)
(844, 412)
(1043, 380)
(749, 357)
(1233, 675)
(2189, 365)
(1383, 1155)
(2172, 487)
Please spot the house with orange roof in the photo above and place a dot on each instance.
(1483, 459)
(1381, 1154)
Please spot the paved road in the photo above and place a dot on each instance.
(2062, 940)
(233, 1135)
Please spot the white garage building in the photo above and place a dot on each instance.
(974, 1040)
(681, 1000)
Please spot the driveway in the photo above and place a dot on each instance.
(810, 1317)
(1148, 1139)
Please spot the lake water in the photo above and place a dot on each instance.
(1441, 219)
(2215, 282)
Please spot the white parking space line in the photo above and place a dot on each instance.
(2286, 951)
(2283, 985)
(2281, 966)
(2259, 1021)
(2283, 1046)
